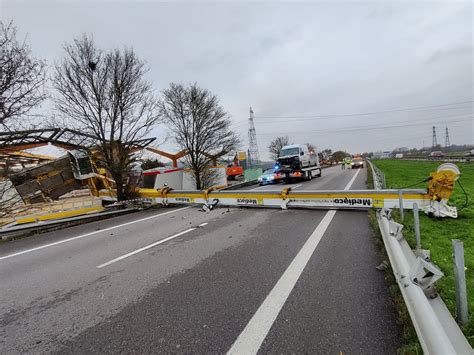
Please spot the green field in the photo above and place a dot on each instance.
(436, 234)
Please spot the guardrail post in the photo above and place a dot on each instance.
(400, 204)
(416, 219)
(460, 282)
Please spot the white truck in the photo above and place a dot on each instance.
(297, 162)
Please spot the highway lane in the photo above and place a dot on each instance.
(331, 178)
(198, 291)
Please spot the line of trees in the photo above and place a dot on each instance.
(105, 94)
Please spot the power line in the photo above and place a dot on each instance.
(428, 119)
(371, 113)
(325, 117)
(329, 118)
(359, 128)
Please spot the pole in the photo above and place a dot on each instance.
(400, 204)
(460, 282)
(416, 219)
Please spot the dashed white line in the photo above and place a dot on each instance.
(251, 338)
(91, 233)
(145, 248)
(203, 224)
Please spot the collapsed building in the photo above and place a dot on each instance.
(37, 187)
(34, 184)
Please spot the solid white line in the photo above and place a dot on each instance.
(203, 224)
(89, 234)
(251, 338)
(145, 248)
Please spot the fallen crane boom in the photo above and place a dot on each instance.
(352, 199)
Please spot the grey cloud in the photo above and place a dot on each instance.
(288, 59)
(451, 53)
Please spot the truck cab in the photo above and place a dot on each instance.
(297, 156)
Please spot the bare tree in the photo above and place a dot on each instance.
(149, 163)
(22, 78)
(199, 125)
(275, 146)
(105, 95)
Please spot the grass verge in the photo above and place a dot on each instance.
(436, 235)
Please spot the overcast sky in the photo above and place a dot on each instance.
(296, 64)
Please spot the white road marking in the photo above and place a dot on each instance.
(145, 248)
(89, 234)
(203, 224)
(251, 338)
(349, 184)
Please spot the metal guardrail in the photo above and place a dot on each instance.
(379, 177)
(7, 232)
(240, 185)
(435, 327)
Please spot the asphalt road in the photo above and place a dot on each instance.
(179, 280)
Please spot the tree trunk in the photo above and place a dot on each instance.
(197, 177)
(121, 193)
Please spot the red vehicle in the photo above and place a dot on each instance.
(233, 171)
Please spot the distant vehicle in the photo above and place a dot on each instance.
(357, 162)
(470, 155)
(234, 171)
(324, 159)
(297, 162)
(436, 154)
(269, 176)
